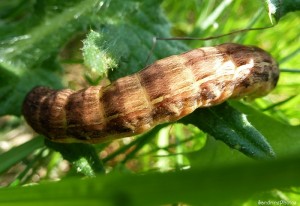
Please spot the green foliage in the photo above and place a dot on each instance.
(29, 48)
(83, 157)
(233, 128)
(280, 9)
(117, 40)
(16, 154)
(218, 186)
(37, 42)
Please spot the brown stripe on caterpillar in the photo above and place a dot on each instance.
(167, 90)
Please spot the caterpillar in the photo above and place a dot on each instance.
(164, 91)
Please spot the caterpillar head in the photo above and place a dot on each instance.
(256, 72)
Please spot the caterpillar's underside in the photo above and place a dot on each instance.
(167, 90)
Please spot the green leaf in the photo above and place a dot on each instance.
(279, 8)
(122, 45)
(284, 138)
(16, 154)
(232, 127)
(13, 93)
(99, 61)
(82, 156)
(25, 54)
(212, 186)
